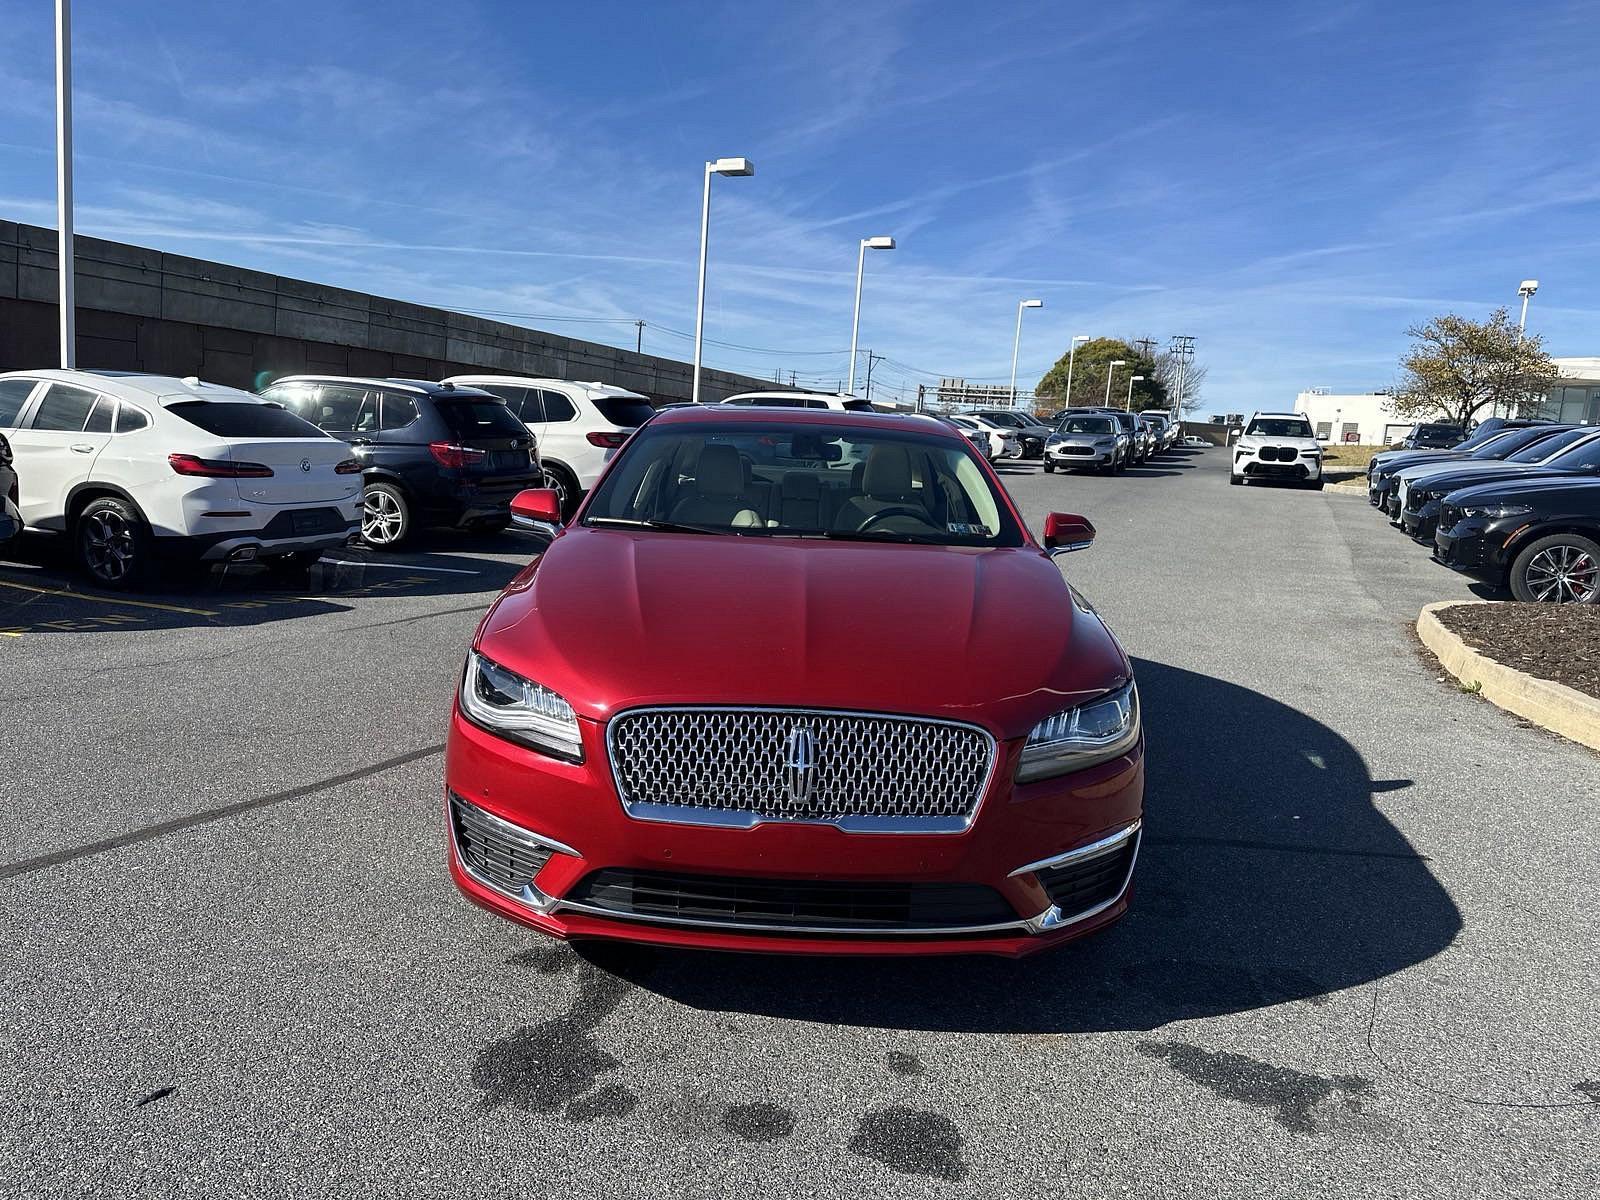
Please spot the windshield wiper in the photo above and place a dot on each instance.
(659, 526)
(846, 535)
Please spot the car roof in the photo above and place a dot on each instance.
(792, 394)
(141, 386)
(424, 387)
(593, 389)
(721, 414)
(1279, 416)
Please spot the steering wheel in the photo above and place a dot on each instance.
(894, 510)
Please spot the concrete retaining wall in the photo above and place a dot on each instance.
(145, 310)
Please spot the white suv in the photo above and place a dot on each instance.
(840, 402)
(138, 468)
(577, 426)
(1278, 446)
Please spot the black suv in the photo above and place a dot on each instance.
(431, 453)
(1433, 435)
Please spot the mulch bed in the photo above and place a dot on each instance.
(1558, 642)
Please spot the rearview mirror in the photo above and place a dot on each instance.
(1066, 532)
(537, 509)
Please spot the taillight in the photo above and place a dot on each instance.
(216, 468)
(450, 454)
(350, 466)
(607, 441)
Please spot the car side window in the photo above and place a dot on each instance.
(14, 394)
(102, 416)
(557, 407)
(130, 418)
(399, 410)
(337, 408)
(64, 407)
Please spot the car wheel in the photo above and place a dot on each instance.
(1236, 480)
(1049, 467)
(113, 544)
(385, 516)
(561, 481)
(1315, 485)
(1562, 568)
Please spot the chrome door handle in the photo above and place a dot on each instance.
(83, 449)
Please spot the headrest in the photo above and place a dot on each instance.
(888, 473)
(720, 471)
(797, 486)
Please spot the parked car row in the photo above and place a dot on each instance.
(1107, 439)
(137, 470)
(1517, 505)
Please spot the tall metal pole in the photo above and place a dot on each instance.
(1111, 369)
(700, 298)
(64, 266)
(855, 322)
(1016, 342)
(1072, 354)
(1523, 323)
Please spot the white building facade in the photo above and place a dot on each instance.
(1364, 417)
(1575, 397)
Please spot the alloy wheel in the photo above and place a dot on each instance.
(556, 483)
(381, 518)
(1564, 575)
(108, 546)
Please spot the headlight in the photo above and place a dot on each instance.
(1082, 736)
(1495, 511)
(519, 709)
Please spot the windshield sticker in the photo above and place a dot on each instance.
(961, 530)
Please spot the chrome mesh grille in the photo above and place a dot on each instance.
(493, 851)
(738, 767)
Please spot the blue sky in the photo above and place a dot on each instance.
(1293, 184)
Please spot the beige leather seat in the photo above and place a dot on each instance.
(719, 496)
(885, 483)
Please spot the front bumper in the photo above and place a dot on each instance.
(1266, 462)
(1080, 456)
(1018, 831)
(1469, 546)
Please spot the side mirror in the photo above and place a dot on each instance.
(1066, 532)
(537, 509)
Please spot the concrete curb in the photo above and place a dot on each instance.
(1552, 706)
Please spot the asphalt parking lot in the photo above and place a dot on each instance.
(1362, 956)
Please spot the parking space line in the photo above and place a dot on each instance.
(71, 595)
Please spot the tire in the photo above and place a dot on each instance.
(112, 544)
(385, 516)
(1049, 467)
(1236, 480)
(566, 488)
(1315, 485)
(1562, 568)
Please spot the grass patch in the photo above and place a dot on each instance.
(1339, 454)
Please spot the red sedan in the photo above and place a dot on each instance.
(799, 682)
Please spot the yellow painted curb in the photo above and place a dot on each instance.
(1552, 706)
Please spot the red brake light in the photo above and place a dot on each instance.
(607, 441)
(216, 468)
(450, 454)
(350, 466)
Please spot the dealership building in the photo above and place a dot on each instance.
(1368, 418)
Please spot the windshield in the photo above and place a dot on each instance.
(1489, 430)
(812, 481)
(1545, 447)
(480, 418)
(629, 412)
(1094, 425)
(1585, 456)
(241, 419)
(1510, 441)
(1279, 427)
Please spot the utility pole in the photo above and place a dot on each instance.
(1144, 345)
(65, 275)
(640, 347)
(870, 357)
(1181, 349)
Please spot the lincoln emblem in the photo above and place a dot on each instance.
(800, 763)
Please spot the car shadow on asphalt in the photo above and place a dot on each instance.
(41, 593)
(1267, 875)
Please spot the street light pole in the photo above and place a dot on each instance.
(1016, 344)
(1111, 370)
(64, 266)
(872, 243)
(1072, 354)
(1525, 289)
(1132, 379)
(721, 166)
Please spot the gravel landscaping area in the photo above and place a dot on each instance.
(1558, 642)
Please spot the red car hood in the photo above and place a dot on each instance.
(612, 619)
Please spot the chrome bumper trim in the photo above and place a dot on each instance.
(529, 895)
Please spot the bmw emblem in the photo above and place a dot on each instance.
(305, 464)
